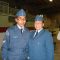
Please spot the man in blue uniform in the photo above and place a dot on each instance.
(41, 42)
(16, 39)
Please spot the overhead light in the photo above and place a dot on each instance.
(50, 0)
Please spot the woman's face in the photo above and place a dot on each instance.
(38, 25)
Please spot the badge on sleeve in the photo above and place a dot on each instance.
(6, 34)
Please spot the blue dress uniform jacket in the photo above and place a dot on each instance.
(14, 44)
(41, 47)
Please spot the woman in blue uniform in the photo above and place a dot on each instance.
(41, 42)
(16, 39)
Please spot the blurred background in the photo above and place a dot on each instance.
(49, 8)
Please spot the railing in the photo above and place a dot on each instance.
(12, 11)
(4, 7)
(6, 10)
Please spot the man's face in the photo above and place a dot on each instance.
(21, 20)
(38, 25)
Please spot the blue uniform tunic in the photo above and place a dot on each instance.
(14, 44)
(41, 47)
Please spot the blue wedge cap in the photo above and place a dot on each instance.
(21, 13)
(39, 18)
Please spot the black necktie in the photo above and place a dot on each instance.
(21, 31)
(36, 34)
